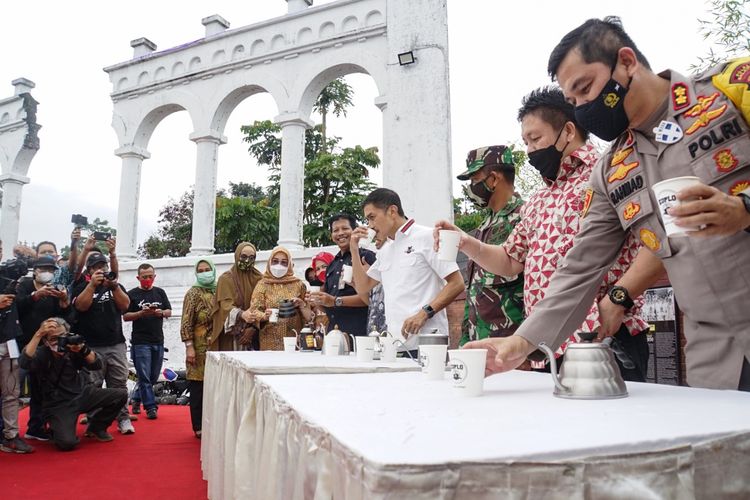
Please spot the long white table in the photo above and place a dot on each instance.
(398, 435)
(229, 399)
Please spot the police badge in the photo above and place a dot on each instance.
(668, 132)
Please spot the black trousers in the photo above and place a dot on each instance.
(635, 346)
(196, 403)
(744, 384)
(63, 418)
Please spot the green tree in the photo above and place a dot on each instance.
(172, 239)
(336, 178)
(727, 30)
(100, 225)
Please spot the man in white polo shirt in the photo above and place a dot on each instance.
(417, 286)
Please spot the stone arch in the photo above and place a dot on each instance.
(121, 83)
(234, 96)
(318, 81)
(277, 42)
(194, 63)
(373, 18)
(327, 30)
(143, 78)
(218, 57)
(160, 73)
(153, 114)
(238, 52)
(350, 23)
(257, 47)
(178, 68)
(305, 35)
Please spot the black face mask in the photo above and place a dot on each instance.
(480, 193)
(605, 117)
(547, 160)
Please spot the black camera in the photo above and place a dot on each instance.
(102, 236)
(111, 276)
(79, 220)
(63, 341)
(10, 272)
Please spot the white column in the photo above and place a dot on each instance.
(292, 194)
(386, 164)
(12, 186)
(204, 202)
(130, 192)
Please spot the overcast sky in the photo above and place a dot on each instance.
(498, 53)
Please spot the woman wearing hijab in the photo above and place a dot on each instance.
(195, 330)
(233, 293)
(279, 283)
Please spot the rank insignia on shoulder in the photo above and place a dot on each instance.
(680, 96)
(739, 187)
(668, 132)
(725, 160)
(588, 197)
(649, 239)
(631, 210)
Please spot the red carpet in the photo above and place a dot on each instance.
(161, 460)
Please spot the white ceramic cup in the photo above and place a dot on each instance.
(467, 370)
(274, 318)
(389, 350)
(448, 244)
(433, 360)
(365, 347)
(666, 197)
(290, 344)
(348, 273)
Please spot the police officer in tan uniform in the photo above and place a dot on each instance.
(663, 126)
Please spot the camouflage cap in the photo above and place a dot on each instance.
(484, 157)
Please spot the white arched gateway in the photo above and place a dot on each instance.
(293, 58)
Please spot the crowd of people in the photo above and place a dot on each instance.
(575, 257)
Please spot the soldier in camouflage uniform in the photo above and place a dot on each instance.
(494, 304)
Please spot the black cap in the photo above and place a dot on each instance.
(94, 258)
(45, 261)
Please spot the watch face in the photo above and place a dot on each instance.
(618, 295)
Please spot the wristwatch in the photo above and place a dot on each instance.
(746, 200)
(619, 295)
(338, 301)
(429, 310)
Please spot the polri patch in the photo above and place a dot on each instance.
(649, 239)
(588, 197)
(725, 160)
(680, 96)
(667, 132)
(739, 187)
(631, 210)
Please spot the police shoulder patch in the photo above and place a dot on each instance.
(680, 96)
(588, 197)
(649, 239)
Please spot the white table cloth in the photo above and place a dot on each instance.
(398, 435)
(228, 394)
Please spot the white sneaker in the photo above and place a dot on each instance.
(125, 427)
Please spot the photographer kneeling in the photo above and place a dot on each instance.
(57, 363)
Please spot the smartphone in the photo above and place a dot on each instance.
(79, 220)
(102, 236)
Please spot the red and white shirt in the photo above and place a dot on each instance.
(549, 222)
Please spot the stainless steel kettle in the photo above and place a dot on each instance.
(589, 371)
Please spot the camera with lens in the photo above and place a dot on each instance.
(63, 341)
(79, 220)
(111, 276)
(10, 272)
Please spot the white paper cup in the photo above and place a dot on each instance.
(433, 360)
(448, 244)
(666, 197)
(365, 348)
(348, 273)
(371, 235)
(274, 318)
(467, 370)
(290, 344)
(389, 350)
(314, 288)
